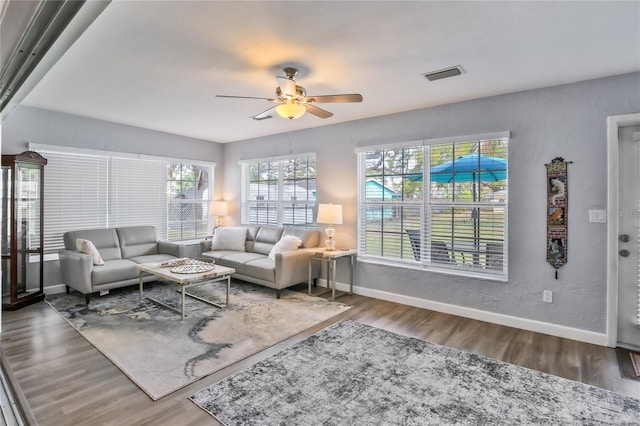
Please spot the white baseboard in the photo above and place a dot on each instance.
(477, 314)
(55, 289)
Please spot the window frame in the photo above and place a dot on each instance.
(276, 199)
(404, 254)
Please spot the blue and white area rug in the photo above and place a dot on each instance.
(353, 374)
(162, 354)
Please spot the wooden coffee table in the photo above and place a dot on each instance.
(188, 280)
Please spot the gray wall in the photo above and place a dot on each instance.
(567, 121)
(32, 125)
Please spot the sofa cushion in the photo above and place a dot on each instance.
(238, 260)
(87, 247)
(152, 258)
(218, 254)
(114, 270)
(229, 238)
(264, 269)
(309, 237)
(105, 240)
(266, 238)
(252, 231)
(137, 241)
(286, 243)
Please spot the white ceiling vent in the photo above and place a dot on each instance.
(445, 73)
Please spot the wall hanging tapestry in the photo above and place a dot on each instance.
(557, 203)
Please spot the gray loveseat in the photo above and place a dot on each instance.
(254, 264)
(122, 249)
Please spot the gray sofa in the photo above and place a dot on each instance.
(122, 249)
(255, 266)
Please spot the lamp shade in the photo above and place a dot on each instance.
(218, 208)
(330, 213)
(290, 110)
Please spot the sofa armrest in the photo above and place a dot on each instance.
(76, 268)
(168, 247)
(180, 249)
(292, 267)
(206, 245)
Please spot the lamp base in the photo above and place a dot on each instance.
(219, 220)
(330, 243)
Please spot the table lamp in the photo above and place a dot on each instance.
(330, 214)
(218, 209)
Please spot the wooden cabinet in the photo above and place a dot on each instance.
(22, 229)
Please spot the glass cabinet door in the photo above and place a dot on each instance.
(28, 234)
(7, 196)
(22, 210)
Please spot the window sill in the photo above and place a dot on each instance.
(458, 272)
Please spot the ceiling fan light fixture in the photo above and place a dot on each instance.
(290, 110)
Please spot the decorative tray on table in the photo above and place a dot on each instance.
(190, 266)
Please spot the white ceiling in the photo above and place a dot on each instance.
(159, 65)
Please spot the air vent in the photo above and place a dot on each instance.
(445, 73)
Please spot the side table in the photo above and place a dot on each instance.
(323, 255)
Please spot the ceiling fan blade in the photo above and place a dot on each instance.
(318, 112)
(265, 114)
(354, 97)
(287, 86)
(246, 97)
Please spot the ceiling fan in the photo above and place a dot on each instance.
(292, 100)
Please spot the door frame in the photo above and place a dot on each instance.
(613, 196)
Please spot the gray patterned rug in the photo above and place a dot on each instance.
(162, 354)
(353, 374)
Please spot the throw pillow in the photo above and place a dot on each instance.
(87, 247)
(286, 243)
(229, 238)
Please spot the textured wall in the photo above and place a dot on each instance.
(567, 121)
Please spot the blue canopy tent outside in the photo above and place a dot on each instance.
(473, 168)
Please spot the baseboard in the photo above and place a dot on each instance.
(480, 315)
(55, 289)
(462, 311)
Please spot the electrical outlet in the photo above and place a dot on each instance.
(547, 296)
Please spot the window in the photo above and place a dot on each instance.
(440, 204)
(280, 192)
(93, 189)
(188, 194)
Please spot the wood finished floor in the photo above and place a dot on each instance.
(68, 382)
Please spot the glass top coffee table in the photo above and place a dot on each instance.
(186, 276)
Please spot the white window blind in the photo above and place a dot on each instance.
(95, 189)
(75, 195)
(138, 193)
(280, 191)
(440, 204)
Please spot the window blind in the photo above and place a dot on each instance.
(75, 195)
(138, 194)
(280, 191)
(440, 204)
(99, 189)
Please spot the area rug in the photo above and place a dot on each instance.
(353, 374)
(162, 354)
(629, 363)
